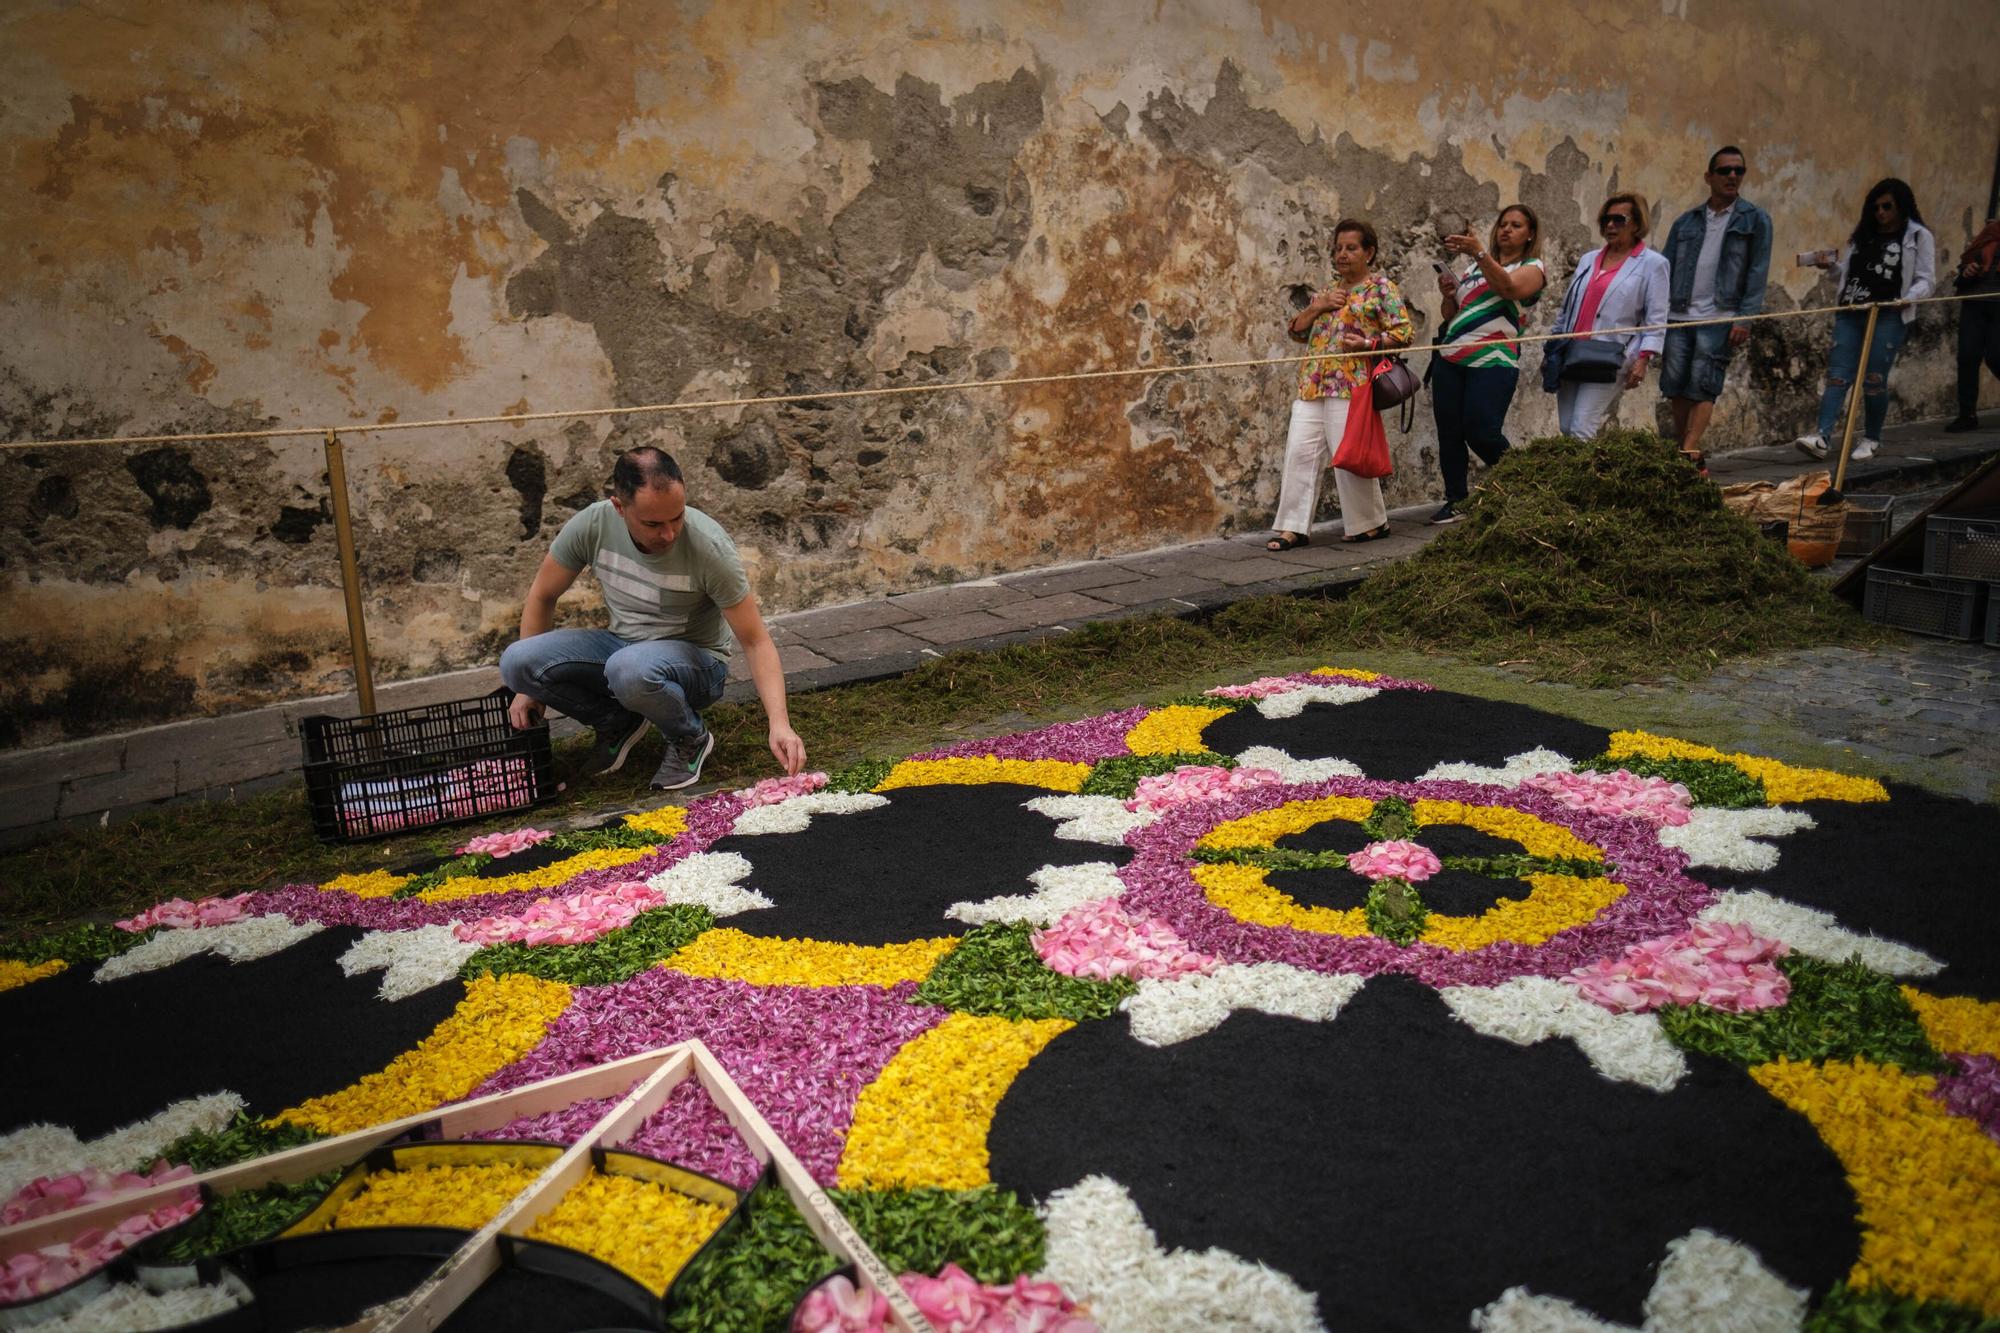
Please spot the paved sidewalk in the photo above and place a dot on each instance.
(219, 758)
(109, 777)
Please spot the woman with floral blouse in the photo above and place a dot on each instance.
(1361, 311)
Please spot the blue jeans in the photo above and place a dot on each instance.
(1470, 404)
(1848, 326)
(601, 680)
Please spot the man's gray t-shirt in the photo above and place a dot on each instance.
(677, 594)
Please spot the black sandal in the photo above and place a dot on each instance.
(1375, 536)
(1288, 541)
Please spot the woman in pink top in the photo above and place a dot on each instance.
(1620, 285)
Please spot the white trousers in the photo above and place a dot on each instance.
(1581, 409)
(1315, 433)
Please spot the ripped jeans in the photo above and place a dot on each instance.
(1848, 326)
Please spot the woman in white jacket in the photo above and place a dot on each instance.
(1619, 285)
(1891, 256)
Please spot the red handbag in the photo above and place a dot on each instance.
(1364, 444)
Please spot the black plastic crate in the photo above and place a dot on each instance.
(414, 768)
(1964, 546)
(1867, 524)
(1992, 620)
(1924, 603)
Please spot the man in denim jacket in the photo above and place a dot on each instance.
(1720, 251)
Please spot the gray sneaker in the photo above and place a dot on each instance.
(613, 742)
(682, 766)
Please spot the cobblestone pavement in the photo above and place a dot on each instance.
(1927, 708)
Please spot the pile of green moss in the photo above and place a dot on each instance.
(1599, 561)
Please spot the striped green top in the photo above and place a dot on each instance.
(1482, 333)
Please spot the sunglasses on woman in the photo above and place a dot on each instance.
(1615, 220)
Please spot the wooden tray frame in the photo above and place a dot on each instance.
(645, 1080)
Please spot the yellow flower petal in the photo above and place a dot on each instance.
(776, 962)
(637, 1226)
(1174, 730)
(1783, 783)
(925, 1118)
(368, 884)
(669, 822)
(499, 1021)
(1054, 774)
(1351, 673)
(14, 973)
(1958, 1023)
(547, 877)
(1927, 1180)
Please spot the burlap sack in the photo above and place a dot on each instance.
(1814, 528)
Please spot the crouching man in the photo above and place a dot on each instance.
(675, 590)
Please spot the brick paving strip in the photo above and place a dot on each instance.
(218, 758)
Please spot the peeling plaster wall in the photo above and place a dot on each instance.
(242, 216)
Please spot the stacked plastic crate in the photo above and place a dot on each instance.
(1952, 597)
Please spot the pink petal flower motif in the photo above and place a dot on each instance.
(1261, 688)
(838, 1306)
(1196, 782)
(1655, 800)
(773, 790)
(1101, 940)
(576, 919)
(501, 845)
(1724, 965)
(956, 1302)
(53, 1267)
(180, 914)
(1395, 859)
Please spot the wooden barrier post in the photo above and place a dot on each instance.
(350, 573)
(1854, 400)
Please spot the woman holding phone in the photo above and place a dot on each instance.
(1359, 311)
(1473, 377)
(1891, 256)
(1619, 285)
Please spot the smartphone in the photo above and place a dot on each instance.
(1438, 264)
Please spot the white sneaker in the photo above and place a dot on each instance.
(1812, 446)
(1865, 449)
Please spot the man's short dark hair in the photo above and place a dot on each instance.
(1729, 150)
(637, 469)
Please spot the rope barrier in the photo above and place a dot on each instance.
(900, 390)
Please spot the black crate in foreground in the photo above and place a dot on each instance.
(1924, 603)
(368, 777)
(1965, 546)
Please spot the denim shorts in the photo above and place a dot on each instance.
(1694, 362)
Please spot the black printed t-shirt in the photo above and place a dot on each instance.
(1875, 271)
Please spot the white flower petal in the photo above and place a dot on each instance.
(1091, 818)
(1521, 1311)
(1510, 774)
(412, 960)
(136, 1309)
(1722, 838)
(1627, 1047)
(1293, 702)
(238, 941)
(1712, 1284)
(709, 879)
(1057, 890)
(1818, 934)
(795, 815)
(1101, 1251)
(1297, 770)
(52, 1150)
(1166, 1011)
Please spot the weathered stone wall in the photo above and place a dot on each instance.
(238, 216)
